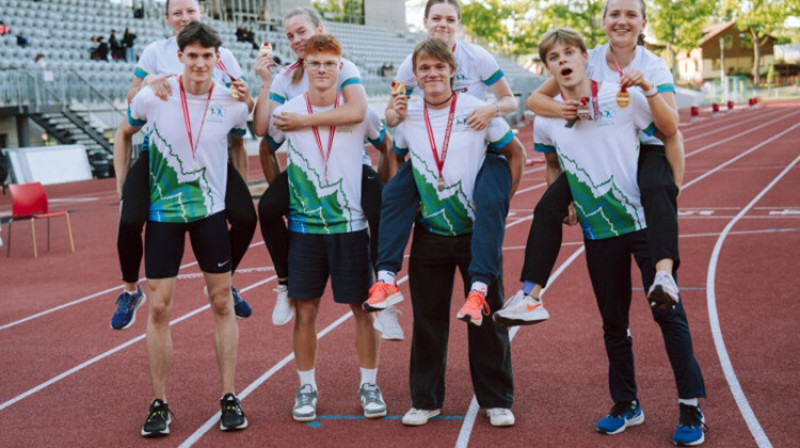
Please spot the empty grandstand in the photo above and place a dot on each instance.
(79, 98)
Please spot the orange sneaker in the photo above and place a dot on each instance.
(475, 307)
(382, 295)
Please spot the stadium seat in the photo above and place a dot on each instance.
(29, 202)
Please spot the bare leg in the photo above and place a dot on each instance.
(368, 341)
(158, 337)
(226, 330)
(305, 333)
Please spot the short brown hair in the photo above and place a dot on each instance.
(563, 35)
(436, 49)
(323, 43)
(454, 3)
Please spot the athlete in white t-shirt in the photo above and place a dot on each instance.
(328, 236)
(446, 156)
(603, 181)
(477, 73)
(188, 149)
(623, 61)
(301, 24)
(159, 62)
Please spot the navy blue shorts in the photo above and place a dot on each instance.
(343, 256)
(164, 241)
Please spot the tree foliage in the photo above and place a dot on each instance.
(676, 24)
(350, 11)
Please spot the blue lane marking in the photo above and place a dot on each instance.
(317, 424)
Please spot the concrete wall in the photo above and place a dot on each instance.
(387, 14)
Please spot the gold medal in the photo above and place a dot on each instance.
(623, 99)
(440, 184)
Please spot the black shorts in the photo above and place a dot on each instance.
(164, 243)
(343, 256)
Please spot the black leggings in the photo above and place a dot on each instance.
(135, 207)
(659, 199)
(274, 204)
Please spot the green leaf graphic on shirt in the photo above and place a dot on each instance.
(320, 206)
(604, 209)
(179, 192)
(449, 212)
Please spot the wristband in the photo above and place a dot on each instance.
(652, 92)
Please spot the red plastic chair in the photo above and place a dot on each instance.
(29, 201)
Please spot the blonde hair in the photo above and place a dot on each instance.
(640, 39)
(563, 35)
(315, 19)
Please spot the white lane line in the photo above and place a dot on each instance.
(75, 302)
(737, 123)
(730, 161)
(469, 419)
(472, 412)
(110, 352)
(212, 421)
(748, 131)
(713, 316)
(98, 294)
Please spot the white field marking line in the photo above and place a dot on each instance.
(735, 123)
(110, 352)
(469, 419)
(719, 342)
(472, 412)
(744, 118)
(106, 291)
(736, 158)
(722, 128)
(735, 136)
(212, 421)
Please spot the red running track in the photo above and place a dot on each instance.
(66, 379)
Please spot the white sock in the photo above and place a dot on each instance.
(386, 277)
(307, 377)
(369, 376)
(480, 286)
(690, 402)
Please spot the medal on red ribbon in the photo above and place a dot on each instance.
(331, 133)
(187, 122)
(623, 96)
(440, 161)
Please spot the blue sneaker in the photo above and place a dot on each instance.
(691, 427)
(242, 308)
(127, 304)
(622, 415)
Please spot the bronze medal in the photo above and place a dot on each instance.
(623, 99)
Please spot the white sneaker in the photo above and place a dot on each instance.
(663, 292)
(419, 417)
(284, 308)
(500, 416)
(386, 323)
(521, 309)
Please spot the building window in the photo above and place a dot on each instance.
(745, 40)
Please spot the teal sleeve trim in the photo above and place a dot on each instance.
(277, 98)
(504, 140)
(140, 72)
(134, 122)
(666, 88)
(377, 142)
(351, 81)
(239, 132)
(494, 78)
(272, 143)
(399, 151)
(650, 130)
(539, 147)
(409, 91)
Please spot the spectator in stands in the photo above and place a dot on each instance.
(22, 41)
(240, 32)
(100, 51)
(128, 39)
(117, 50)
(41, 76)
